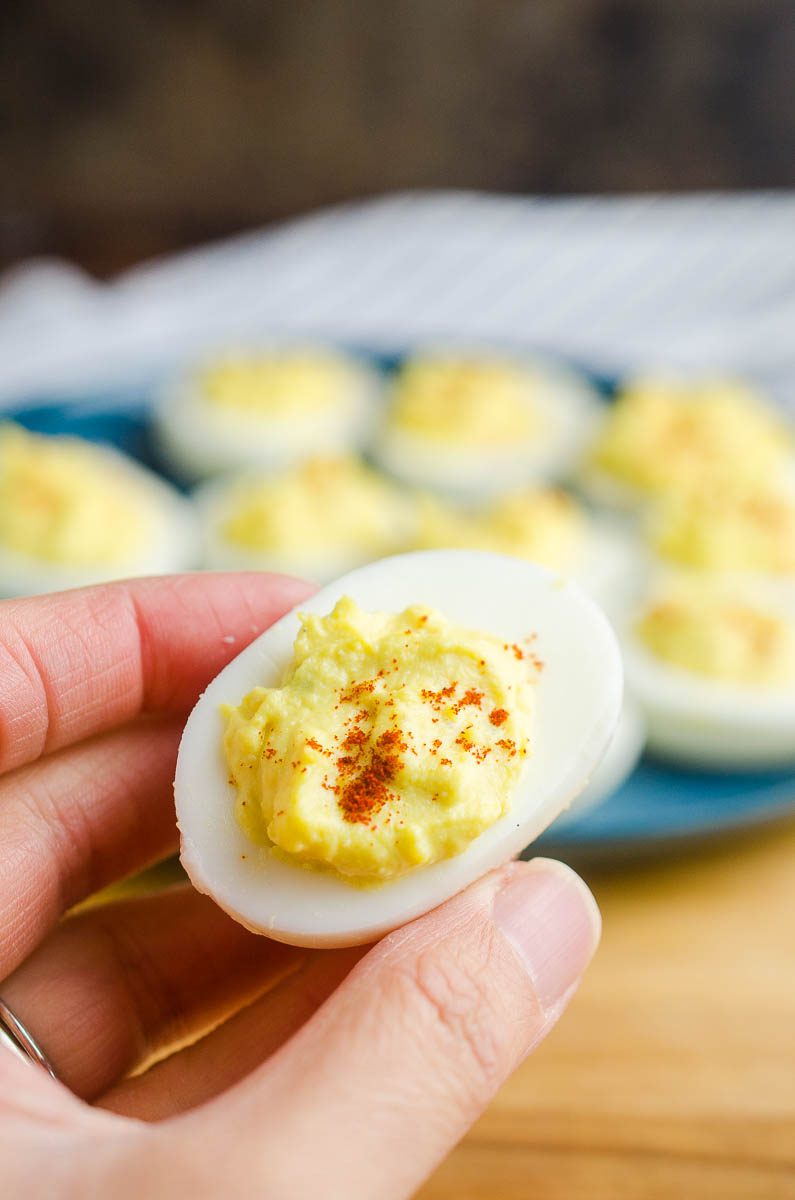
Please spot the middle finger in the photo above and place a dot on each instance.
(118, 984)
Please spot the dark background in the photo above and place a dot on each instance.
(129, 128)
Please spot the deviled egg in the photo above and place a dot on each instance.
(544, 525)
(317, 520)
(420, 722)
(712, 665)
(666, 435)
(736, 530)
(265, 409)
(73, 512)
(473, 427)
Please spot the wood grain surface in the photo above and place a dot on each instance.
(673, 1073)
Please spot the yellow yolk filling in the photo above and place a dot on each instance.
(325, 503)
(545, 526)
(282, 386)
(728, 530)
(393, 741)
(721, 636)
(662, 436)
(62, 501)
(467, 403)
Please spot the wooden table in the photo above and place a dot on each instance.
(673, 1073)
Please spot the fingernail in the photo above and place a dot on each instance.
(552, 920)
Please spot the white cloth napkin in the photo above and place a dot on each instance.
(699, 282)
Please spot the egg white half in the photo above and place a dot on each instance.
(171, 542)
(570, 409)
(578, 702)
(708, 723)
(199, 441)
(635, 505)
(215, 503)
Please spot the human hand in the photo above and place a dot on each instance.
(301, 1073)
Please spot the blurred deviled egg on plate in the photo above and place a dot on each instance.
(265, 408)
(671, 435)
(315, 520)
(738, 530)
(712, 665)
(546, 525)
(73, 512)
(469, 427)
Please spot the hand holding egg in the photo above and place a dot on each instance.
(159, 1006)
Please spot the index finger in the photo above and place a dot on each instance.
(77, 663)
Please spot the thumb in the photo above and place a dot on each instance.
(396, 1065)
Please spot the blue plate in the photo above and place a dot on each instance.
(657, 808)
(661, 806)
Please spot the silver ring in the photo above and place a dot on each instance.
(21, 1041)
